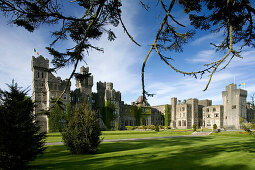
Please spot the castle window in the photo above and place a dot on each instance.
(184, 123)
(183, 108)
(42, 75)
(216, 115)
(214, 109)
(208, 115)
(234, 107)
(179, 123)
(38, 75)
(207, 109)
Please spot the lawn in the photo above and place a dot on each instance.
(106, 135)
(209, 152)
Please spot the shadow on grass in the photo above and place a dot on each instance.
(172, 153)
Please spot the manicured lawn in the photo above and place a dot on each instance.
(234, 134)
(210, 152)
(57, 137)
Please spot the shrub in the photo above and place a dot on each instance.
(194, 127)
(129, 127)
(157, 128)
(56, 116)
(20, 139)
(83, 131)
(140, 127)
(214, 127)
(152, 127)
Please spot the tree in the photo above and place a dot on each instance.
(108, 114)
(233, 17)
(167, 115)
(82, 134)
(20, 139)
(56, 117)
(137, 111)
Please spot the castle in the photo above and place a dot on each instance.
(181, 115)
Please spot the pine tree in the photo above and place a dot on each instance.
(82, 134)
(20, 140)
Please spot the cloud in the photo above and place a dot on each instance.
(185, 88)
(204, 56)
(212, 37)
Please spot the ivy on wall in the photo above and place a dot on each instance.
(167, 121)
(108, 114)
(137, 111)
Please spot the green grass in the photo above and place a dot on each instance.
(234, 134)
(106, 135)
(210, 152)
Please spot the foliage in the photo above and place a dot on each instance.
(167, 115)
(137, 111)
(108, 114)
(251, 125)
(152, 127)
(82, 134)
(214, 127)
(68, 111)
(194, 127)
(57, 119)
(130, 127)
(20, 139)
(166, 127)
(157, 128)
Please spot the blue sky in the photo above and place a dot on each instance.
(122, 60)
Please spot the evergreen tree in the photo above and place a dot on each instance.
(108, 114)
(166, 115)
(56, 117)
(20, 139)
(82, 134)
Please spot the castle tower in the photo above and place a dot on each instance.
(39, 68)
(85, 84)
(173, 116)
(234, 101)
(194, 112)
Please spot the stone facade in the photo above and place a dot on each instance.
(181, 115)
(234, 101)
(46, 87)
(213, 115)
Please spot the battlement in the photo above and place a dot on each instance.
(39, 62)
(84, 70)
(109, 86)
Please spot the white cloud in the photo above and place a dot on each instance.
(209, 38)
(204, 56)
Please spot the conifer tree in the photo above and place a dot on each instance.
(82, 135)
(20, 139)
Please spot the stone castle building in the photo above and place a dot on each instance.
(181, 115)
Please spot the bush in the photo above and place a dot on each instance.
(56, 117)
(214, 127)
(194, 127)
(20, 139)
(152, 127)
(157, 128)
(129, 127)
(83, 132)
(140, 127)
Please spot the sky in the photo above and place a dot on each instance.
(121, 61)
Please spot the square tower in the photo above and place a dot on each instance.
(234, 101)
